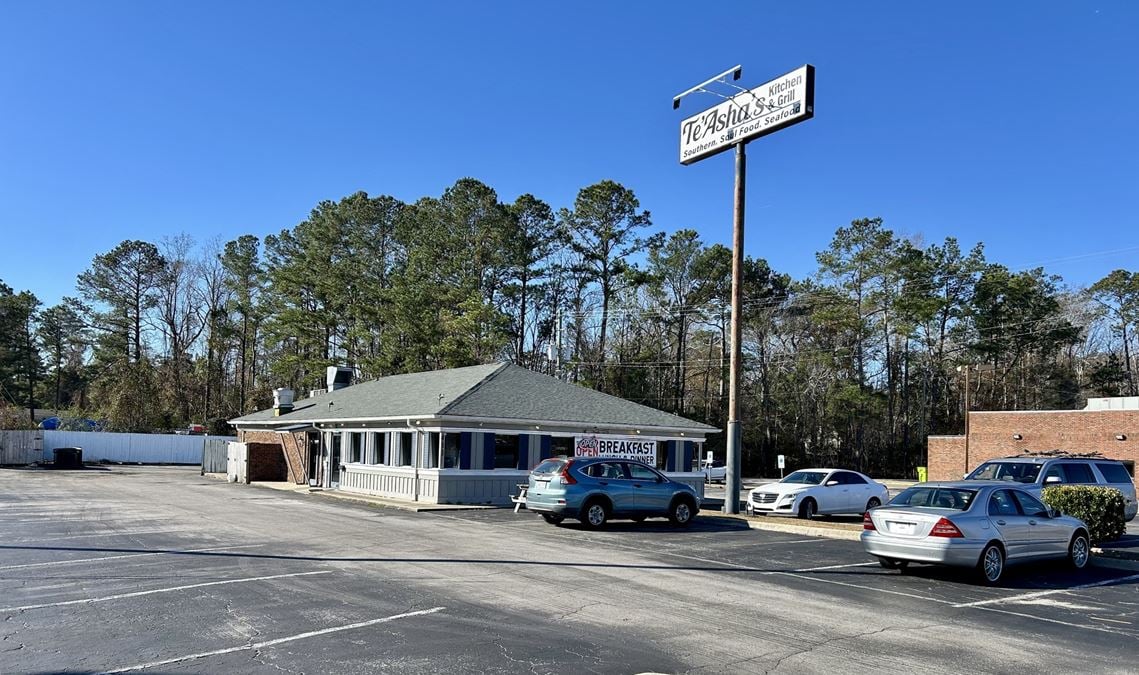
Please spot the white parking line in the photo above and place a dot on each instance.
(1040, 594)
(127, 555)
(833, 567)
(270, 643)
(1069, 624)
(89, 535)
(137, 594)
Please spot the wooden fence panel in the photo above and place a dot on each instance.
(215, 455)
(21, 447)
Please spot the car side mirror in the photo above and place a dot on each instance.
(1051, 480)
(832, 483)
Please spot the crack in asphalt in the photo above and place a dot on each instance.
(579, 609)
(830, 641)
(506, 653)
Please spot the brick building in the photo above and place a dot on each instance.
(458, 436)
(1107, 425)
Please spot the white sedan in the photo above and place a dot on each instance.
(812, 492)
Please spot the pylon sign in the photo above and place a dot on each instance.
(778, 104)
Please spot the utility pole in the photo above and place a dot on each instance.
(558, 341)
(967, 406)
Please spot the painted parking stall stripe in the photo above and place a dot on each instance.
(1040, 594)
(270, 643)
(137, 594)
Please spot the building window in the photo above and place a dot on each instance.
(355, 448)
(451, 451)
(505, 451)
(378, 448)
(561, 445)
(431, 450)
(404, 447)
(662, 456)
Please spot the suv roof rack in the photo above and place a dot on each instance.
(1058, 453)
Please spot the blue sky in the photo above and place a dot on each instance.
(1011, 123)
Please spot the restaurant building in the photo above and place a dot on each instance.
(458, 436)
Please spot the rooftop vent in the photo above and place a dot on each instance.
(338, 377)
(282, 401)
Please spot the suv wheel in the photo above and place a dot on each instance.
(553, 518)
(681, 512)
(594, 514)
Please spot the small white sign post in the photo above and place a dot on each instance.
(782, 462)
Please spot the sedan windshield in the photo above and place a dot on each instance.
(1021, 472)
(935, 498)
(805, 477)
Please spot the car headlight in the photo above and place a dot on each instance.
(787, 498)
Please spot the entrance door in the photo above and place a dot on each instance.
(312, 441)
(334, 462)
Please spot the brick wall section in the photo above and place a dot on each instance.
(991, 436)
(266, 462)
(266, 455)
(946, 457)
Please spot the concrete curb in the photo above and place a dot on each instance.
(1100, 557)
(377, 502)
(410, 507)
(830, 531)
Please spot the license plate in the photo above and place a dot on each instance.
(541, 483)
(902, 528)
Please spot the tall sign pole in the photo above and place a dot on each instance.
(749, 114)
(734, 459)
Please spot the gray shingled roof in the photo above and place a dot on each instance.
(517, 393)
(496, 390)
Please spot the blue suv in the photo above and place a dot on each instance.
(597, 489)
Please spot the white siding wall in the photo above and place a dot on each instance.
(132, 448)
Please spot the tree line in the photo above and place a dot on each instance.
(855, 364)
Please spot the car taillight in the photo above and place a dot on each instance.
(867, 522)
(944, 528)
(567, 479)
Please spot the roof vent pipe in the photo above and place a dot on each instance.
(338, 377)
(282, 401)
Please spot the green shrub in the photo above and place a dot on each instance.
(1100, 507)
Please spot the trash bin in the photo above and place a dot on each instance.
(68, 458)
(923, 474)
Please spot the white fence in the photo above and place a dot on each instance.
(130, 448)
(237, 462)
(20, 447)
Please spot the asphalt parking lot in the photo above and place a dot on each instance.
(137, 569)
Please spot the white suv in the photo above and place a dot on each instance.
(1035, 472)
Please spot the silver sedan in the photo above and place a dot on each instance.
(983, 525)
